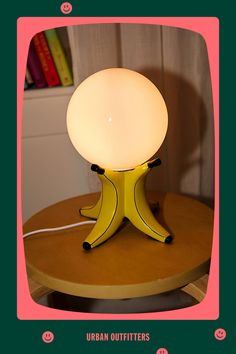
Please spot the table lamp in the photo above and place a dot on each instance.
(117, 120)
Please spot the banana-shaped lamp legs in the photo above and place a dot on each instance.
(122, 196)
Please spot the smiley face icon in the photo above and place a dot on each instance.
(162, 351)
(47, 337)
(66, 8)
(220, 334)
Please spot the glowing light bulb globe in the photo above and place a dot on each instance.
(117, 119)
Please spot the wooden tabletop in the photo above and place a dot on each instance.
(130, 264)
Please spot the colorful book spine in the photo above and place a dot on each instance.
(59, 57)
(46, 60)
(28, 76)
(35, 68)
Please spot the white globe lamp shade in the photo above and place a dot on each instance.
(117, 119)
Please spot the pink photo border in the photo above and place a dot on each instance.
(208, 28)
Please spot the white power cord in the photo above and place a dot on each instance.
(59, 228)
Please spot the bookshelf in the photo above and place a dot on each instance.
(67, 39)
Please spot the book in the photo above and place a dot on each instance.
(35, 68)
(28, 77)
(59, 57)
(46, 60)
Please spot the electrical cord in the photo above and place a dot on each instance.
(59, 228)
(154, 207)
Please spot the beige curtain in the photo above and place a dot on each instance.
(176, 61)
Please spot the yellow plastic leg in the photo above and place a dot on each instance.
(138, 210)
(123, 195)
(92, 211)
(111, 212)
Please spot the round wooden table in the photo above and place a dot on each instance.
(128, 265)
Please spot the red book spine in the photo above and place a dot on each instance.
(35, 68)
(46, 60)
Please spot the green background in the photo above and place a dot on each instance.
(177, 336)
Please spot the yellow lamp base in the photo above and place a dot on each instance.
(122, 196)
